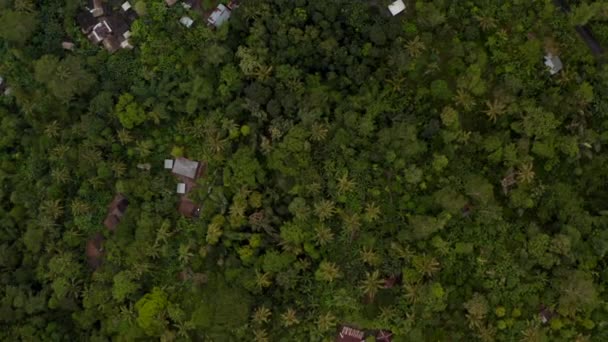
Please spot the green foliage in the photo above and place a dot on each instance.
(129, 112)
(421, 173)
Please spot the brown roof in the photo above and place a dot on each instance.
(86, 21)
(188, 208)
(170, 2)
(94, 250)
(116, 210)
(350, 334)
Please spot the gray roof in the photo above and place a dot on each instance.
(185, 167)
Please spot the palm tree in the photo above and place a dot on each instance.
(79, 207)
(60, 175)
(426, 265)
(371, 284)
(52, 129)
(262, 279)
(325, 209)
(464, 99)
(323, 235)
(526, 173)
(328, 271)
(495, 109)
(119, 168)
(415, 47)
(261, 315)
(52, 209)
(326, 322)
(289, 318)
(372, 212)
(124, 137)
(369, 256)
(486, 22)
(318, 131)
(412, 292)
(345, 184)
(260, 335)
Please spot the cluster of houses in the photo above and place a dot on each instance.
(351, 334)
(105, 25)
(215, 18)
(187, 172)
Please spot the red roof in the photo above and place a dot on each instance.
(350, 334)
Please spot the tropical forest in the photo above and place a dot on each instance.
(304, 170)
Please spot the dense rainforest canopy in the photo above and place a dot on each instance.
(424, 173)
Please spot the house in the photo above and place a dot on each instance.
(350, 334)
(170, 2)
(187, 171)
(554, 63)
(186, 21)
(187, 168)
(68, 45)
(219, 16)
(396, 7)
(110, 29)
(4, 88)
(188, 208)
(384, 336)
(116, 210)
(94, 250)
(191, 4)
(96, 8)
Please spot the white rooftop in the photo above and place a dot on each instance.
(181, 188)
(220, 15)
(185, 167)
(126, 6)
(396, 7)
(186, 21)
(554, 63)
(168, 163)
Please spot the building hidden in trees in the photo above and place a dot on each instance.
(108, 24)
(188, 172)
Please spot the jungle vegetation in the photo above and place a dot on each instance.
(422, 173)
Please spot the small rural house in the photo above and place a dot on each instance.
(187, 171)
(554, 63)
(110, 28)
(350, 334)
(94, 250)
(188, 208)
(116, 210)
(4, 88)
(219, 16)
(396, 7)
(186, 21)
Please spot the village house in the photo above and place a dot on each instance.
(553, 63)
(187, 171)
(396, 7)
(116, 210)
(4, 88)
(110, 28)
(350, 334)
(219, 16)
(94, 250)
